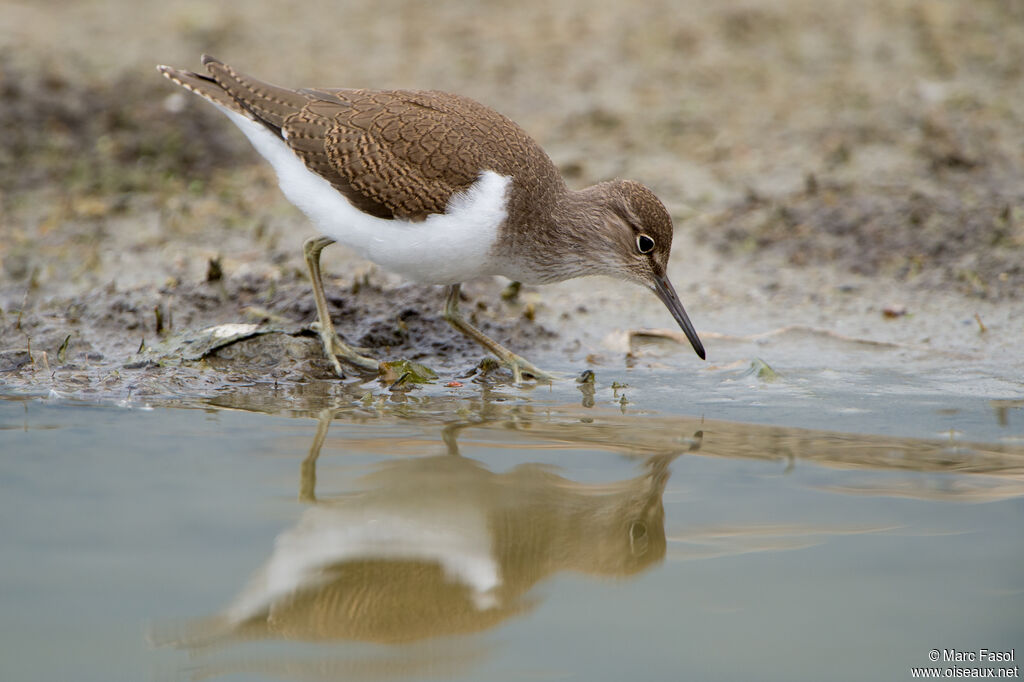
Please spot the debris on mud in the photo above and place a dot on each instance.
(111, 342)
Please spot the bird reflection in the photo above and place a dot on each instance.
(439, 545)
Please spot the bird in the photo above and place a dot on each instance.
(439, 189)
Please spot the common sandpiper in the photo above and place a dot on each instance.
(440, 189)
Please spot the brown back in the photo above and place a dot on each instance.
(392, 153)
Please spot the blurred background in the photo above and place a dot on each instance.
(881, 138)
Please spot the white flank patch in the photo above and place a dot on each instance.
(446, 248)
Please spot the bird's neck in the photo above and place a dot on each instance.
(562, 243)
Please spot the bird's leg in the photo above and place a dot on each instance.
(307, 470)
(334, 347)
(517, 364)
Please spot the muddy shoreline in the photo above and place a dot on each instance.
(799, 149)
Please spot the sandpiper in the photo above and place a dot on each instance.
(440, 189)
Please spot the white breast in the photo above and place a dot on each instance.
(446, 248)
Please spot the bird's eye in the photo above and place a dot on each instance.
(644, 244)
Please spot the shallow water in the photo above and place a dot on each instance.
(503, 534)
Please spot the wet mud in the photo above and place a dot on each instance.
(880, 141)
(244, 331)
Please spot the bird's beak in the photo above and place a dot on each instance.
(663, 288)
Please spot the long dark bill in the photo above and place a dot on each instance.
(663, 288)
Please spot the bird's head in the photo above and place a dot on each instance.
(637, 235)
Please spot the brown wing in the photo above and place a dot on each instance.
(392, 153)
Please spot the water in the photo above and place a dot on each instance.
(509, 535)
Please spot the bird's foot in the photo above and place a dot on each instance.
(520, 367)
(337, 351)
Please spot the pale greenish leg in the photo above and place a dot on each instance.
(334, 347)
(517, 364)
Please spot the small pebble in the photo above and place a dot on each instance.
(893, 311)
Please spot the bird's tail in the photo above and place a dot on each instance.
(226, 87)
(204, 86)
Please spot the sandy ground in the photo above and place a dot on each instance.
(857, 167)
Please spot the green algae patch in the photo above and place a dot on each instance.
(762, 370)
(402, 372)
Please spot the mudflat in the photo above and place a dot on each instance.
(823, 162)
